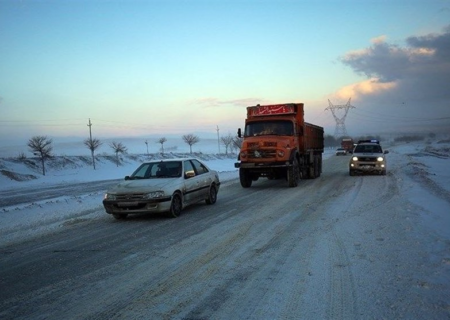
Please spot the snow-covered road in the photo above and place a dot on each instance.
(337, 247)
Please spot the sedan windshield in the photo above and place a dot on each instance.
(169, 169)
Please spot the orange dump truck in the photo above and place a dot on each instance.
(279, 144)
(347, 144)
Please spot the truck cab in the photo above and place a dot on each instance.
(277, 143)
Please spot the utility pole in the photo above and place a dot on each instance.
(91, 143)
(90, 130)
(218, 139)
(146, 142)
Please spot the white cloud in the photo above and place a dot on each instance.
(366, 87)
(379, 39)
(407, 82)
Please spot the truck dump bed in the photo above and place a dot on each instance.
(312, 138)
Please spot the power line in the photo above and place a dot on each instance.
(393, 118)
(37, 121)
(340, 130)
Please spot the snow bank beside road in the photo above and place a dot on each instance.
(69, 169)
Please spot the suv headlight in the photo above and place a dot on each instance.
(355, 158)
(380, 159)
(109, 196)
(153, 195)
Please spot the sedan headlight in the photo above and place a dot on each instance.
(109, 196)
(153, 195)
(355, 158)
(380, 159)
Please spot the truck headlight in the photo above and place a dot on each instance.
(281, 153)
(355, 158)
(243, 154)
(380, 159)
(153, 195)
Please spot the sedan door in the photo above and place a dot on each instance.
(192, 183)
(204, 178)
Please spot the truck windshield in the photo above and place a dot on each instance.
(280, 128)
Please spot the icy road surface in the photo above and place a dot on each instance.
(32, 194)
(337, 247)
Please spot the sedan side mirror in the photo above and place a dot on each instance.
(127, 177)
(189, 174)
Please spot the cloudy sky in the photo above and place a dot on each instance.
(138, 68)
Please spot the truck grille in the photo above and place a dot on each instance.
(255, 145)
(264, 154)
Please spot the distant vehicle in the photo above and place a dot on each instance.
(167, 185)
(279, 144)
(347, 144)
(341, 152)
(368, 157)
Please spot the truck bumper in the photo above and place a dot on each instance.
(253, 165)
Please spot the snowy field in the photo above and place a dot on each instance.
(425, 169)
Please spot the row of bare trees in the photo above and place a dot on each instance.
(41, 146)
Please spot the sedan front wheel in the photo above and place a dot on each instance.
(175, 206)
(212, 197)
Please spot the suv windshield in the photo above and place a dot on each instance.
(368, 149)
(280, 127)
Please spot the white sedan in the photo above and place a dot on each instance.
(167, 185)
(341, 151)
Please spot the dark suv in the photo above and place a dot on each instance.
(368, 156)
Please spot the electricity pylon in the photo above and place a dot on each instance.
(340, 130)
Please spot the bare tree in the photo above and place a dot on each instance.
(191, 139)
(162, 140)
(92, 144)
(41, 146)
(118, 147)
(227, 141)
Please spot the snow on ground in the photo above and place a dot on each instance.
(424, 168)
(428, 166)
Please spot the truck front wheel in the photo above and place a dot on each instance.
(245, 178)
(293, 174)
